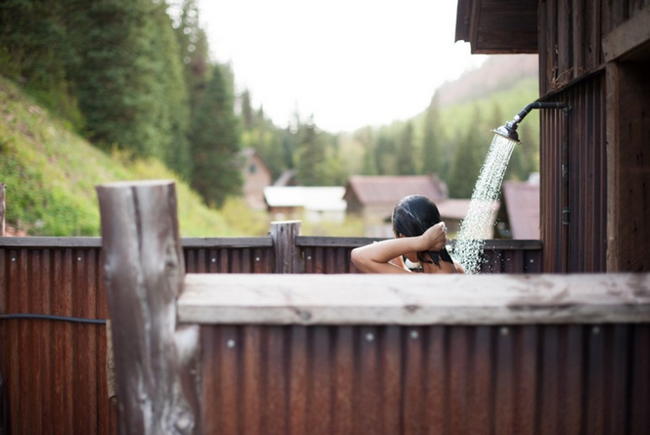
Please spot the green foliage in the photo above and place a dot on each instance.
(128, 78)
(311, 156)
(215, 142)
(35, 50)
(470, 152)
(432, 161)
(51, 175)
(406, 151)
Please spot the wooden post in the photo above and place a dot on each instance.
(287, 255)
(2, 209)
(143, 273)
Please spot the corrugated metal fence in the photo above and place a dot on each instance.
(533, 379)
(55, 372)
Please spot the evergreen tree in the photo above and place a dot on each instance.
(311, 156)
(126, 75)
(35, 49)
(406, 151)
(215, 142)
(247, 111)
(385, 154)
(193, 50)
(468, 159)
(432, 158)
(365, 137)
(174, 114)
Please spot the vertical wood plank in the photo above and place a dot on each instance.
(287, 254)
(144, 273)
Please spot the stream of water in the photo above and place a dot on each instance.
(476, 227)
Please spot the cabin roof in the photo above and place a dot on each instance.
(522, 201)
(390, 189)
(311, 198)
(498, 26)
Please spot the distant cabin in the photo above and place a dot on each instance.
(256, 176)
(373, 198)
(521, 209)
(313, 204)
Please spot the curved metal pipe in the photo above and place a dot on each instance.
(509, 129)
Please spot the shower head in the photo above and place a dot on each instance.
(509, 131)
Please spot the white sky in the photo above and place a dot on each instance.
(350, 63)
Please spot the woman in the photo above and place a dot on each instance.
(420, 236)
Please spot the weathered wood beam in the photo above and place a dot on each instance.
(632, 34)
(415, 300)
(287, 254)
(143, 272)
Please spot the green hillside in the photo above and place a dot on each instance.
(51, 175)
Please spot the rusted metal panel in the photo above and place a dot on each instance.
(55, 371)
(431, 379)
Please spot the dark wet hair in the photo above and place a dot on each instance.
(412, 216)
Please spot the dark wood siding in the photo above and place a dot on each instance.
(574, 183)
(571, 35)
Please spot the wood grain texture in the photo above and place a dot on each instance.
(417, 299)
(144, 269)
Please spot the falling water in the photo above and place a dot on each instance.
(475, 228)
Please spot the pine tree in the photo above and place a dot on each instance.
(365, 137)
(247, 111)
(215, 142)
(406, 151)
(311, 156)
(127, 76)
(432, 158)
(468, 159)
(385, 154)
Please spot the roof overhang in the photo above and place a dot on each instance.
(498, 26)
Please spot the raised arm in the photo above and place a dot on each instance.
(376, 257)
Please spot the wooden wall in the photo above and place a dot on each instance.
(571, 32)
(592, 163)
(573, 181)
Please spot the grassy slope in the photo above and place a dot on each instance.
(51, 175)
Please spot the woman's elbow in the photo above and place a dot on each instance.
(358, 259)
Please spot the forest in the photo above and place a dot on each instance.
(135, 79)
